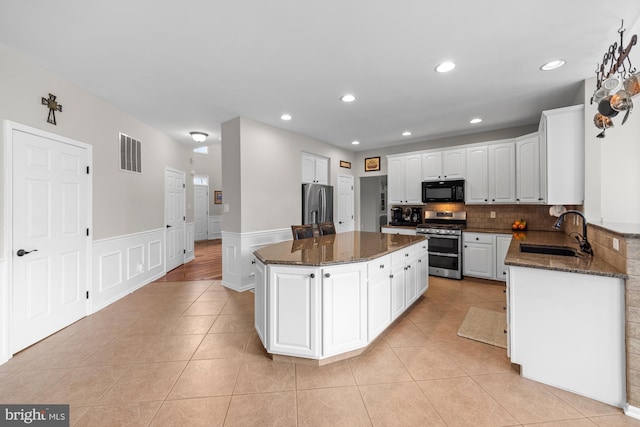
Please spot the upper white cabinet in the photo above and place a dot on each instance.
(404, 179)
(502, 173)
(562, 155)
(315, 169)
(448, 164)
(528, 177)
(477, 183)
(491, 176)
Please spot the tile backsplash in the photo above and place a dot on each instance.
(479, 216)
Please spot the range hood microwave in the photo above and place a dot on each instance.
(443, 191)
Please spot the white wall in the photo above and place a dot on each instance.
(124, 203)
(210, 165)
(612, 175)
(262, 174)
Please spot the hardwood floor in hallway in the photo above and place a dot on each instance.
(207, 264)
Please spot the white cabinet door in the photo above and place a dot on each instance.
(395, 179)
(379, 304)
(322, 170)
(432, 166)
(478, 260)
(411, 281)
(398, 300)
(528, 169)
(454, 164)
(502, 246)
(502, 173)
(344, 308)
(315, 169)
(477, 182)
(413, 179)
(423, 273)
(294, 304)
(260, 301)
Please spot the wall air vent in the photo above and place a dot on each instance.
(130, 154)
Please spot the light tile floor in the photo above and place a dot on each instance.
(186, 354)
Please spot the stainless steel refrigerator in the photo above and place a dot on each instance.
(317, 203)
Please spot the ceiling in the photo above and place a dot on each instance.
(194, 64)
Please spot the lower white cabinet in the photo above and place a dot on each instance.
(294, 308)
(378, 296)
(423, 268)
(483, 255)
(344, 308)
(260, 312)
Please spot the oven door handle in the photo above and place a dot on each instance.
(439, 236)
(445, 255)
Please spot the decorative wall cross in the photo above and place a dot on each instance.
(53, 106)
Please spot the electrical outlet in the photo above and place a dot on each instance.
(616, 244)
(493, 214)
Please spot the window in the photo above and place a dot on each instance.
(201, 150)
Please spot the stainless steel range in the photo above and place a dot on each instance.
(445, 242)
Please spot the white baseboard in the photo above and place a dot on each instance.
(632, 411)
(237, 255)
(125, 263)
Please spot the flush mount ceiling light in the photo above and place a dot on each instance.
(348, 98)
(198, 136)
(475, 120)
(355, 142)
(445, 67)
(406, 133)
(553, 65)
(286, 117)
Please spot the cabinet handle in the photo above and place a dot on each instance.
(381, 266)
(540, 198)
(493, 200)
(465, 246)
(477, 238)
(312, 276)
(327, 275)
(391, 276)
(406, 255)
(504, 291)
(517, 200)
(504, 308)
(419, 260)
(505, 331)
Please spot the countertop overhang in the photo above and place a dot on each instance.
(340, 248)
(583, 263)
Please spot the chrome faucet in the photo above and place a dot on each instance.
(585, 246)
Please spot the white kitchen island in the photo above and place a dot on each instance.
(327, 298)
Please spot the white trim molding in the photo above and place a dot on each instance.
(237, 255)
(125, 263)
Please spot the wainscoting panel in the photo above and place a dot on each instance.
(215, 227)
(237, 259)
(126, 263)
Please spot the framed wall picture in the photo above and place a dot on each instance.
(345, 164)
(217, 197)
(372, 164)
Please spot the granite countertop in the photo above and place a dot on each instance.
(584, 264)
(340, 248)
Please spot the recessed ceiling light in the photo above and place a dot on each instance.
(552, 65)
(406, 133)
(355, 142)
(475, 120)
(348, 98)
(285, 117)
(445, 67)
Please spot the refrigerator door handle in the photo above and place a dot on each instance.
(323, 204)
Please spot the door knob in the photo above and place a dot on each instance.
(22, 252)
(169, 226)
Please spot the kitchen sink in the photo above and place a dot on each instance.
(548, 249)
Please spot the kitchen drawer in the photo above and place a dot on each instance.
(478, 238)
(422, 248)
(401, 256)
(379, 266)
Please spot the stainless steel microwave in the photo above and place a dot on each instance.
(443, 191)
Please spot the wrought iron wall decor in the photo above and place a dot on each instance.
(53, 106)
(617, 83)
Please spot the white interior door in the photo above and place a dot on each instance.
(50, 227)
(201, 212)
(175, 217)
(345, 220)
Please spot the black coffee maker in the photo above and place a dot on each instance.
(396, 216)
(416, 216)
